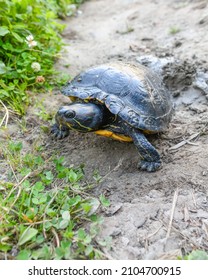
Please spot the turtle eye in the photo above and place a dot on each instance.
(69, 114)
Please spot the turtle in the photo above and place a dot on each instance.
(119, 100)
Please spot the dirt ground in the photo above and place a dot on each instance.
(152, 215)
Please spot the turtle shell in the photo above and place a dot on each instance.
(133, 92)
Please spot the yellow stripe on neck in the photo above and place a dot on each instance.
(110, 134)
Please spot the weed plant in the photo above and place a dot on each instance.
(46, 211)
(30, 40)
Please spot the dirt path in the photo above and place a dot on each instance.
(139, 220)
(142, 204)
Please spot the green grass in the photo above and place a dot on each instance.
(30, 42)
(196, 255)
(174, 30)
(46, 211)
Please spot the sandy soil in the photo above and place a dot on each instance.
(152, 215)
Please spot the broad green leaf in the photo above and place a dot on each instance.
(27, 235)
(66, 244)
(4, 93)
(88, 250)
(42, 253)
(4, 30)
(17, 37)
(63, 224)
(197, 255)
(25, 171)
(49, 175)
(3, 68)
(105, 202)
(24, 255)
(59, 253)
(81, 234)
(94, 205)
(48, 225)
(72, 176)
(66, 215)
(39, 186)
(5, 247)
(74, 200)
(86, 207)
(35, 200)
(87, 239)
(43, 199)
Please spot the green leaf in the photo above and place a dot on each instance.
(38, 186)
(15, 146)
(95, 204)
(5, 247)
(49, 175)
(86, 207)
(66, 244)
(43, 199)
(63, 224)
(17, 37)
(59, 253)
(3, 68)
(81, 234)
(197, 255)
(88, 250)
(105, 202)
(27, 235)
(42, 253)
(25, 171)
(72, 176)
(26, 185)
(51, 212)
(66, 215)
(40, 239)
(38, 160)
(35, 200)
(87, 239)
(74, 200)
(23, 255)
(48, 225)
(4, 30)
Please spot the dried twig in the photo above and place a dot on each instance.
(205, 228)
(105, 254)
(156, 231)
(185, 141)
(44, 214)
(37, 223)
(172, 213)
(6, 116)
(56, 237)
(18, 184)
(111, 171)
(187, 238)
(186, 214)
(188, 141)
(194, 199)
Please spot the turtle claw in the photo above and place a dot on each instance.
(58, 132)
(149, 166)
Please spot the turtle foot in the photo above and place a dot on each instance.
(149, 166)
(58, 132)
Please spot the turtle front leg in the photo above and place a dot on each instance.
(150, 157)
(59, 131)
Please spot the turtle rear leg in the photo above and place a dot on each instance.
(150, 157)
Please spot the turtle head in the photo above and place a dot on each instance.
(83, 117)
